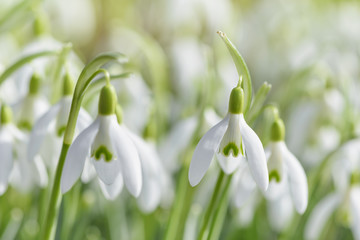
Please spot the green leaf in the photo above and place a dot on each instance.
(241, 68)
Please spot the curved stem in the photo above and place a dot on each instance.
(207, 217)
(87, 75)
(21, 62)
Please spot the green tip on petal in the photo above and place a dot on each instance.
(35, 83)
(119, 113)
(277, 131)
(274, 175)
(236, 102)
(108, 100)
(102, 150)
(6, 114)
(355, 178)
(68, 85)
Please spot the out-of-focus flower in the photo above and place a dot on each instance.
(286, 174)
(59, 113)
(32, 106)
(234, 143)
(15, 166)
(112, 152)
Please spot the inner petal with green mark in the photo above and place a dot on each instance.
(274, 174)
(102, 150)
(231, 148)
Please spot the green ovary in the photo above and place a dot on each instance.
(231, 146)
(102, 150)
(274, 174)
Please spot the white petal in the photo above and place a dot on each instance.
(150, 195)
(297, 181)
(76, 156)
(113, 190)
(320, 215)
(39, 131)
(89, 171)
(255, 155)
(229, 163)
(107, 171)
(280, 212)
(245, 186)
(129, 159)
(6, 162)
(355, 211)
(205, 150)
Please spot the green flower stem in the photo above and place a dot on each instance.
(21, 62)
(220, 212)
(50, 220)
(207, 217)
(87, 75)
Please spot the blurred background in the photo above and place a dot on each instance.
(309, 51)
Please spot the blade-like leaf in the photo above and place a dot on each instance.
(241, 68)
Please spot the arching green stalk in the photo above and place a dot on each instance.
(87, 75)
(21, 62)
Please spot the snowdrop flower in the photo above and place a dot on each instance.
(234, 143)
(12, 141)
(109, 149)
(32, 106)
(58, 114)
(286, 174)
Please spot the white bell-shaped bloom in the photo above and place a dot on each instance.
(286, 175)
(111, 151)
(234, 143)
(15, 167)
(53, 123)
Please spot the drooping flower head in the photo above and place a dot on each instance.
(286, 175)
(32, 106)
(107, 146)
(234, 143)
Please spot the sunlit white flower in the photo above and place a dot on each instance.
(110, 150)
(234, 144)
(15, 166)
(54, 121)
